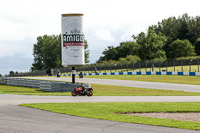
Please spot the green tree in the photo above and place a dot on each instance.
(47, 52)
(87, 52)
(109, 54)
(121, 51)
(168, 27)
(183, 27)
(181, 48)
(16, 73)
(0, 75)
(129, 59)
(122, 60)
(197, 46)
(132, 59)
(194, 29)
(11, 73)
(127, 48)
(156, 44)
(151, 45)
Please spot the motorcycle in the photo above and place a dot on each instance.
(82, 91)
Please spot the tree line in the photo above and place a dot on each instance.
(172, 38)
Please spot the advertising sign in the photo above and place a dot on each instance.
(73, 71)
(72, 40)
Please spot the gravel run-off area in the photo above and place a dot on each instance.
(177, 116)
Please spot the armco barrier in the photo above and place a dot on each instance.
(22, 82)
(50, 86)
(2, 80)
(142, 73)
(58, 86)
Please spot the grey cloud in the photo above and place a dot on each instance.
(97, 46)
(17, 63)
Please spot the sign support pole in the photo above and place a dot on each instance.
(73, 75)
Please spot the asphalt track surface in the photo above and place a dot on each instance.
(16, 119)
(139, 84)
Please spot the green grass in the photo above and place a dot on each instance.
(194, 80)
(99, 90)
(4, 89)
(111, 90)
(110, 111)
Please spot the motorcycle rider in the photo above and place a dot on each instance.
(83, 88)
(58, 74)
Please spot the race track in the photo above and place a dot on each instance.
(16, 119)
(139, 84)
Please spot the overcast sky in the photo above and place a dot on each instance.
(106, 23)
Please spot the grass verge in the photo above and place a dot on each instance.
(194, 80)
(5, 89)
(107, 111)
(188, 68)
(99, 90)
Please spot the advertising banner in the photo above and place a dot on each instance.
(72, 40)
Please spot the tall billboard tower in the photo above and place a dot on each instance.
(72, 42)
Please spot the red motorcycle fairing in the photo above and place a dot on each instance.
(79, 91)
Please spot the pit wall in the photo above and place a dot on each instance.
(141, 73)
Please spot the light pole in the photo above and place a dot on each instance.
(146, 65)
(115, 67)
(181, 65)
(190, 65)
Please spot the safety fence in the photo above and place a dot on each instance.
(141, 73)
(166, 66)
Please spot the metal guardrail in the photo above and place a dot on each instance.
(50, 86)
(1, 80)
(58, 86)
(22, 82)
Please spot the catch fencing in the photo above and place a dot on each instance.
(166, 66)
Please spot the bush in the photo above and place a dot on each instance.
(129, 59)
(188, 58)
(159, 60)
(197, 46)
(181, 48)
